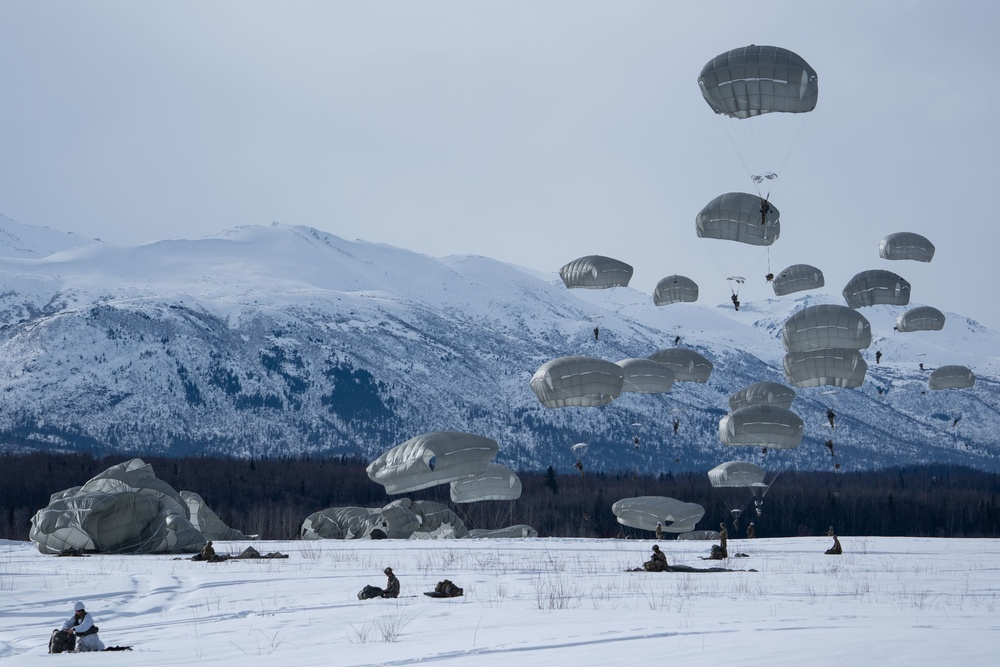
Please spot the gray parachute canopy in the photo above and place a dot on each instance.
(595, 272)
(687, 365)
(577, 381)
(735, 216)
(951, 377)
(340, 523)
(906, 245)
(430, 459)
(645, 376)
(644, 512)
(763, 393)
(761, 426)
(797, 278)
(877, 286)
(401, 519)
(832, 367)
(675, 289)
(824, 326)
(738, 483)
(520, 530)
(124, 509)
(207, 521)
(497, 482)
(921, 318)
(437, 522)
(754, 80)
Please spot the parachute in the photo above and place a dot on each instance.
(739, 482)
(736, 216)
(687, 365)
(644, 512)
(577, 381)
(124, 509)
(595, 272)
(401, 519)
(761, 93)
(826, 326)
(906, 245)
(497, 482)
(430, 459)
(645, 376)
(833, 367)
(675, 289)
(207, 521)
(877, 286)
(761, 426)
(951, 377)
(921, 318)
(797, 278)
(763, 393)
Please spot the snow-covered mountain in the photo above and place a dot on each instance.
(282, 340)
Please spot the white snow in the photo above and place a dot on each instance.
(886, 601)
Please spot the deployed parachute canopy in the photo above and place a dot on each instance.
(736, 216)
(687, 365)
(595, 272)
(497, 482)
(644, 512)
(754, 80)
(921, 318)
(951, 377)
(577, 381)
(739, 482)
(675, 289)
(877, 286)
(645, 376)
(762, 426)
(831, 367)
(826, 326)
(430, 459)
(763, 393)
(797, 278)
(906, 245)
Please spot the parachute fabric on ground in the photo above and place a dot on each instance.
(497, 482)
(762, 426)
(521, 530)
(699, 535)
(951, 377)
(763, 393)
(398, 520)
(207, 521)
(906, 245)
(829, 367)
(797, 278)
(644, 512)
(675, 289)
(340, 523)
(646, 376)
(826, 326)
(687, 365)
(437, 522)
(877, 286)
(735, 216)
(432, 458)
(595, 272)
(124, 509)
(577, 381)
(921, 318)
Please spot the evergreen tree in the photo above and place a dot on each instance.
(550, 481)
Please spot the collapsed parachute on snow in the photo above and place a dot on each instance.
(207, 521)
(401, 519)
(595, 272)
(644, 512)
(577, 381)
(124, 509)
(906, 245)
(430, 459)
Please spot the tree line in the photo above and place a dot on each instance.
(271, 497)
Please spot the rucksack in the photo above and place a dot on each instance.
(61, 642)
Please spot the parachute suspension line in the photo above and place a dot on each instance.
(769, 260)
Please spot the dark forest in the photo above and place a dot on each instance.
(271, 497)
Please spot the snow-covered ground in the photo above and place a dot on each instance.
(886, 601)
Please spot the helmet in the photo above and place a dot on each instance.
(78, 607)
(387, 570)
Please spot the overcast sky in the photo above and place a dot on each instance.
(532, 132)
